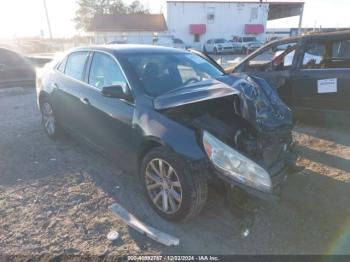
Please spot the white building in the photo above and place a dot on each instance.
(196, 21)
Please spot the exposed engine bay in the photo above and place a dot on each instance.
(255, 122)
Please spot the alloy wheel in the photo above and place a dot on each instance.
(48, 119)
(163, 186)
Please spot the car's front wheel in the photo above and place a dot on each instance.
(173, 191)
(49, 120)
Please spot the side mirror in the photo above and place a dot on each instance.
(115, 91)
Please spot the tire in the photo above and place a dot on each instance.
(192, 188)
(49, 120)
(204, 49)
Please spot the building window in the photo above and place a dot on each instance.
(197, 38)
(240, 7)
(211, 15)
(253, 13)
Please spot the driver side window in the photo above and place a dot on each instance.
(105, 71)
(278, 57)
(187, 72)
(314, 56)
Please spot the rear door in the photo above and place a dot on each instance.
(67, 86)
(321, 88)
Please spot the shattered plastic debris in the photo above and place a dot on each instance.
(245, 232)
(139, 226)
(113, 235)
(260, 104)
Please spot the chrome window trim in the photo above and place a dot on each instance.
(91, 86)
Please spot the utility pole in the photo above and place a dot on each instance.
(300, 19)
(47, 19)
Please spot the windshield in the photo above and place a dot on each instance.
(250, 39)
(159, 73)
(220, 41)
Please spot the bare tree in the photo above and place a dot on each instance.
(137, 8)
(89, 8)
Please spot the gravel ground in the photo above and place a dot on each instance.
(54, 199)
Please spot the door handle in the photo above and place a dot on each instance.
(85, 101)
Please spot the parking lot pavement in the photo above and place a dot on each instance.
(227, 60)
(54, 198)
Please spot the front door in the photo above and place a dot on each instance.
(322, 85)
(108, 121)
(275, 64)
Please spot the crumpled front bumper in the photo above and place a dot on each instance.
(278, 173)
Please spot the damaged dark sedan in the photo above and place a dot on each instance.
(172, 117)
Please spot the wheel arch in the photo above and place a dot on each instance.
(41, 98)
(147, 146)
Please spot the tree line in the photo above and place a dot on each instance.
(87, 9)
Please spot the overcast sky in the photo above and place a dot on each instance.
(27, 17)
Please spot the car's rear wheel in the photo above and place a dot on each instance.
(49, 121)
(172, 190)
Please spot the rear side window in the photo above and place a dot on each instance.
(341, 49)
(334, 54)
(75, 65)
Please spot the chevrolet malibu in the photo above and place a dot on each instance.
(171, 116)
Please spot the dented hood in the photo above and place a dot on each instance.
(201, 91)
(258, 102)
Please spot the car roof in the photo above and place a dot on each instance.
(338, 35)
(129, 48)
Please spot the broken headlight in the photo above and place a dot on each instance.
(236, 165)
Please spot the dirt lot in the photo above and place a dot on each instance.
(54, 198)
